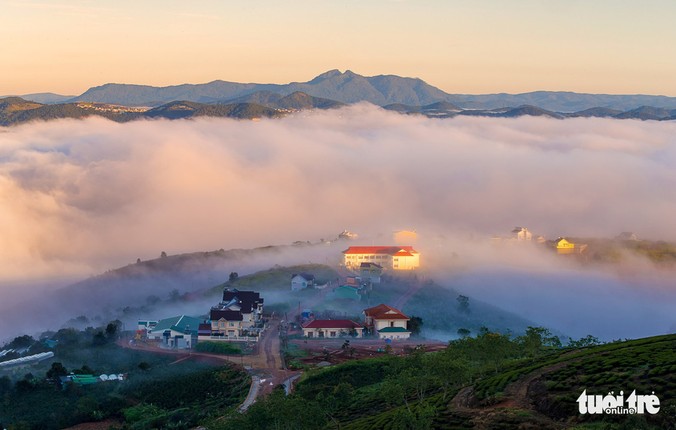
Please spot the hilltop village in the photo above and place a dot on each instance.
(239, 317)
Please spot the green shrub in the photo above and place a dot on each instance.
(218, 348)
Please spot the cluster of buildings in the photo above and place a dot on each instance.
(560, 245)
(382, 321)
(238, 317)
(367, 263)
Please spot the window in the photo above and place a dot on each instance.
(332, 334)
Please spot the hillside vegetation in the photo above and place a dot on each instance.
(158, 391)
(491, 381)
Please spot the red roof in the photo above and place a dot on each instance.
(384, 312)
(332, 324)
(407, 251)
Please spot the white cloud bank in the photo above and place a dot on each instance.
(80, 197)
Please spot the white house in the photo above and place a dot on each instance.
(388, 322)
(522, 233)
(301, 281)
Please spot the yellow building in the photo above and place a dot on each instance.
(391, 257)
(564, 246)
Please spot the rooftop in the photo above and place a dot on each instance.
(180, 323)
(385, 250)
(393, 330)
(385, 312)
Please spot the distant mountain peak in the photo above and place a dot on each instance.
(326, 75)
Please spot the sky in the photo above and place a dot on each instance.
(460, 46)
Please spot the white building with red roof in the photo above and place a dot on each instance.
(391, 257)
(388, 322)
(332, 328)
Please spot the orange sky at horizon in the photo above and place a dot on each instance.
(460, 46)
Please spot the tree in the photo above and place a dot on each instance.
(463, 332)
(56, 371)
(415, 325)
(112, 329)
(589, 340)
(163, 254)
(536, 339)
(463, 303)
(233, 276)
(84, 370)
(5, 387)
(21, 342)
(99, 339)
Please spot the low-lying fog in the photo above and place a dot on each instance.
(80, 197)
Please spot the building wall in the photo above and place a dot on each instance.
(406, 263)
(379, 324)
(330, 332)
(394, 335)
(353, 261)
(176, 339)
(228, 328)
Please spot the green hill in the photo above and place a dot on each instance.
(487, 382)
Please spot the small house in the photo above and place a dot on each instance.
(388, 322)
(564, 246)
(176, 332)
(371, 272)
(332, 329)
(522, 233)
(301, 281)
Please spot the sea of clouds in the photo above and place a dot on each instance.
(78, 197)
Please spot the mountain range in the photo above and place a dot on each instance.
(124, 102)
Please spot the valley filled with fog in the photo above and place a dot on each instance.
(80, 197)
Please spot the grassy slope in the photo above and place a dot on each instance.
(645, 365)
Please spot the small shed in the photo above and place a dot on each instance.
(301, 281)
